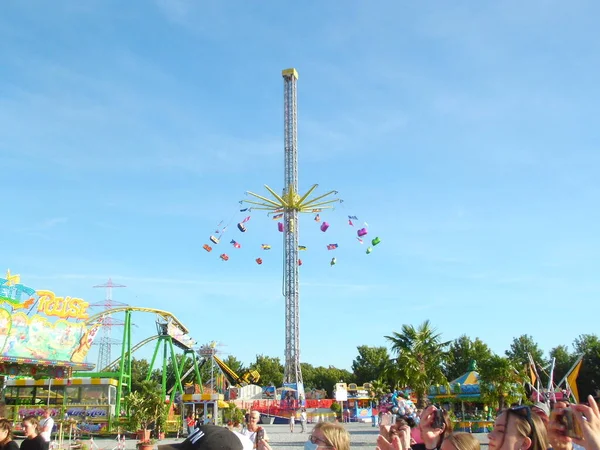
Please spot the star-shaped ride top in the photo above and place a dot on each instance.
(291, 201)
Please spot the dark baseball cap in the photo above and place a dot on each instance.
(211, 437)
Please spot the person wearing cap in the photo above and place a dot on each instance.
(212, 437)
(543, 412)
(252, 427)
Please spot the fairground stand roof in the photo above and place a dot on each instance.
(465, 387)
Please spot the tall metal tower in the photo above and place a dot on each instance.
(292, 372)
(291, 203)
(106, 341)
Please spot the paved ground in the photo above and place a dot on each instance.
(363, 435)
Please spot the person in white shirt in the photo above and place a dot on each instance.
(253, 427)
(46, 426)
(303, 418)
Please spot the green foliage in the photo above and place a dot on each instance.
(139, 371)
(233, 413)
(370, 364)
(563, 360)
(379, 388)
(336, 408)
(270, 369)
(235, 364)
(420, 357)
(460, 354)
(327, 377)
(145, 406)
(520, 348)
(588, 382)
(501, 383)
(308, 375)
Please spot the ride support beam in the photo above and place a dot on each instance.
(175, 369)
(124, 375)
(197, 371)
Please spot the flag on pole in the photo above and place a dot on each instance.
(572, 380)
(532, 374)
(277, 216)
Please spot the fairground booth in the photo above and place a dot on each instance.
(43, 340)
(463, 399)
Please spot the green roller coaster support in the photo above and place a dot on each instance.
(120, 369)
(124, 375)
(166, 342)
(196, 369)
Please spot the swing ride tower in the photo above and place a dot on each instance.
(291, 203)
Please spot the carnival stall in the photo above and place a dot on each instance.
(473, 415)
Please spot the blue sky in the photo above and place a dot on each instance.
(464, 133)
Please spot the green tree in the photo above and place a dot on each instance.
(563, 360)
(327, 377)
(371, 364)
(270, 370)
(420, 358)
(588, 382)
(460, 354)
(520, 348)
(501, 382)
(379, 388)
(234, 364)
(308, 376)
(139, 371)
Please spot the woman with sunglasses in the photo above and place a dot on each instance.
(328, 436)
(518, 429)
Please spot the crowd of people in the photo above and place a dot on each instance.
(37, 433)
(516, 428)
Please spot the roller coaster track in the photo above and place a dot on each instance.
(133, 349)
(164, 314)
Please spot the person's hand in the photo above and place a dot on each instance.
(394, 438)
(590, 424)
(556, 433)
(427, 418)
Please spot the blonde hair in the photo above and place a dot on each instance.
(538, 436)
(463, 441)
(335, 434)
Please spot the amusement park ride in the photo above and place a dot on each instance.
(43, 359)
(291, 203)
(45, 339)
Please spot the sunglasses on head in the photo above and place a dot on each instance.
(525, 413)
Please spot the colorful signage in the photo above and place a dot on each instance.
(34, 339)
(64, 308)
(19, 296)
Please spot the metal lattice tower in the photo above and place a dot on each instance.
(106, 341)
(292, 372)
(291, 203)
